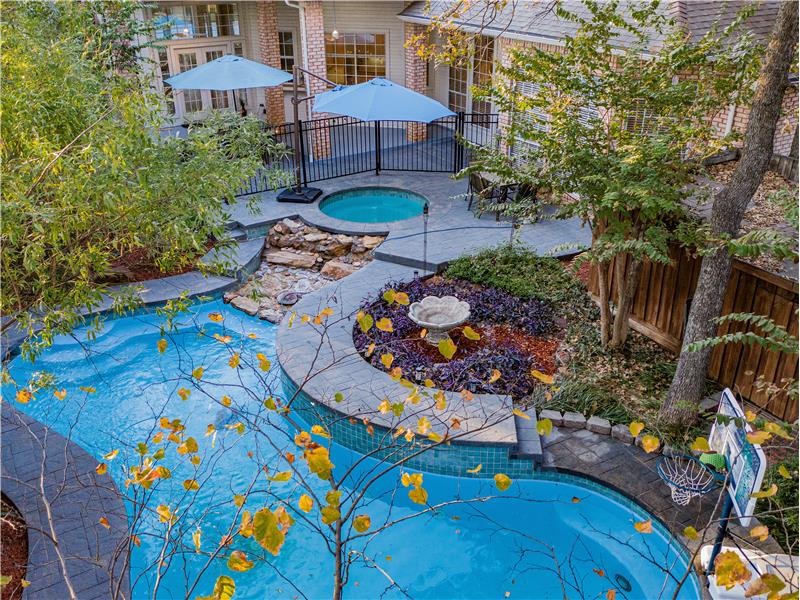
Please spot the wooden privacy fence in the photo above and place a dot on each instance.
(661, 307)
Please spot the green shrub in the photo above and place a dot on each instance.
(576, 396)
(522, 273)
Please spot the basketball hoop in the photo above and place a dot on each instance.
(687, 477)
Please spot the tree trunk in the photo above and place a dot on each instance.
(625, 297)
(605, 311)
(338, 573)
(730, 203)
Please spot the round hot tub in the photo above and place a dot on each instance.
(373, 205)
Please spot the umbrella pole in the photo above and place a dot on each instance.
(300, 193)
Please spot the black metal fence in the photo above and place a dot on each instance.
(336, 146)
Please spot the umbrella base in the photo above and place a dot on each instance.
(306, 195)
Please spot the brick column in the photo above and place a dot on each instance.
(312, 29)
(415, 79)
(269, 50)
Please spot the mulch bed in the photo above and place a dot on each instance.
(13, 549)
(517, 336)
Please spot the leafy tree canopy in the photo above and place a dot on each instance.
(87, 178)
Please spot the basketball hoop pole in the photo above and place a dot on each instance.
(725, 518)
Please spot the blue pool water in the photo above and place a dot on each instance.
(474, 550)
(373, 205)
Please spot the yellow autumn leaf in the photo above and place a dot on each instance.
(370, 349)
(636, 428)
(760, 532)
(476, 470)
(730, 571)
(162, 345)
(418, 495)
(320, 431)
(88, 389)
(111, 455)
(771, 585)
(784, 472)
(198, 373)
(758, 437)
(224, 588)
(543, 377)
(281, 476)
(60, 394)
(234, 360)
(330, 514)
(387, 359)
(23, 396)
(644, 526)
(101, 468)
(650, 443)
(306, 503)
(104, 522)
(388, 295)
(184, 393)
(365, 322)
(401, 298)
(470, 333)
(267, 532)
(690, 532)
(502, 481)
(440, 400)
(225, 401)
(773, 489)
(164, 513)
(544, 427)
(385, 324)
(521, 414)
(216, 317)
(361, 523)
(423, 426)
(191, 485)
(495, 376)
(412, 479)
(239, 562)
(447, 348)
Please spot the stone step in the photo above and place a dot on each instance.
(238, 233)
(529, 444)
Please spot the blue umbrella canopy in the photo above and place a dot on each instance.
(380, 100)
(229, 73)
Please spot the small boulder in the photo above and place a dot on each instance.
(336, 269)
(270, 314)
(292, 259)
(246, 305)
(315, 236)
(292, 225)
(371, 241)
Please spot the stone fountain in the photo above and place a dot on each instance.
(438, 315)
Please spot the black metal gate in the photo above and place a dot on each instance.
(337, 146)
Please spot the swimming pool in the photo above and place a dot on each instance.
(471, 550)
(373, 205)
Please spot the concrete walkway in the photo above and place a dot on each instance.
(53, 483)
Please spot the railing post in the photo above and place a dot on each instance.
(458, 155)
(377, 147)
(302, 150)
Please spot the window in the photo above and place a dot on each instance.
(242, 94)
(219, 98)
(192, 100)
(457, 94)
(532, 118)
(163, 65)
(476, 71)
(196, 21)
(482, 69)
(286, 46)
(355, 57)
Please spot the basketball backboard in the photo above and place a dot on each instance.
(747, 461)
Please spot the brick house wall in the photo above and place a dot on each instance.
(269, 54)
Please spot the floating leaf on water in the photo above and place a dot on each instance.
(502, 481)
(644, 526)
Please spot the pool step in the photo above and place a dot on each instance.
(238, 233)
(529, 444)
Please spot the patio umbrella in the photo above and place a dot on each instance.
(380, 100)
(229, 73)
